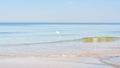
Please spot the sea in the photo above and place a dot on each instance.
(55, 39)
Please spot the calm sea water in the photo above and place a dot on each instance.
(40, 38)
(12, 33)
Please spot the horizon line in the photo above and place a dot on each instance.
(67, 22)
(60, 23)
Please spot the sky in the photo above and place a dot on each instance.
(60, 11)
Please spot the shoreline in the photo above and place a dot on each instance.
(84, 54)
(32, 62)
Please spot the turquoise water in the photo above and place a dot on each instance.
(51, 39)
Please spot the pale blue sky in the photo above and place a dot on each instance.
(59, 10)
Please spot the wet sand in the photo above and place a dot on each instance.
(85, 60)
(46, 63)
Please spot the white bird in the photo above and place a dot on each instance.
(57, 32)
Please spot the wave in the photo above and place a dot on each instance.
(81, 40)
(60, 41)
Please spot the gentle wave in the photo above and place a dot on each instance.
(61, 41)
(80, 40)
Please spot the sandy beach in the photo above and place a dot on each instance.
(47, 63)
(58, 56)
(86, 60)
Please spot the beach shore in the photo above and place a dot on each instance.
(47, 63)
(85, 60)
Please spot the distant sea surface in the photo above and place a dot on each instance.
(52, 38)
(20, 33)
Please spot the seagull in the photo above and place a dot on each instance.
(57, 32)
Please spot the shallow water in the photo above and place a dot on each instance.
(28, 38)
